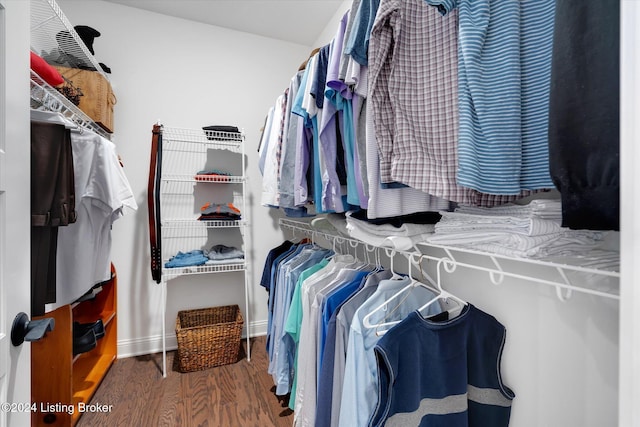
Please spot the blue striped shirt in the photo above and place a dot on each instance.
(504, 63)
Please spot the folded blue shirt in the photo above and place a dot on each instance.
(187, 259)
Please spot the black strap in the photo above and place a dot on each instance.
(153, 203)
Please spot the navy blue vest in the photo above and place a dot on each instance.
(442, 374)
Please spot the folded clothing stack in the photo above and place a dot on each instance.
(218, 254)
(222, 133)
(219, 212)
(550, 209)
(532, 230)
(221, 254)
(187, 259)
(212, 175)
(401, 237)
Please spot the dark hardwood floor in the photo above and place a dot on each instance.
(236, 395)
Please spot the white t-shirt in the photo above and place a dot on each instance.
(102, 192)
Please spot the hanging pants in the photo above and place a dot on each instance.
(52, 205)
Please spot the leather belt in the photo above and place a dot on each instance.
(153, 203)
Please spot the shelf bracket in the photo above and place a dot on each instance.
(568, 290)
(496, 277)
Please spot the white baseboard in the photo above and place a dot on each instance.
(153, 344)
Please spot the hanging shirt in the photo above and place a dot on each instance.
(284, 348)
(277, 295)
(388, 202)
(414, 99)
(503, 144)
(290, 145)
(305, 107)
(360, 383)
(305, 168)
(344, 319)
(270, 177)
(330, 302)
(294, 321)
(265, 280)
(346, 58)
(584, 128)
(102, 194)
(272, 295)
(328, 143)
(335, 351)
(357, 45)
(264, 140)
(305, 399)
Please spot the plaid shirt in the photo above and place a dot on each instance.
(413, 88)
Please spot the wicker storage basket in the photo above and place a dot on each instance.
(208, 337)
(97, 98)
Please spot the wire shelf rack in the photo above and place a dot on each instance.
(562, 273)
(43, 96)
(172, 273)
(54, 38)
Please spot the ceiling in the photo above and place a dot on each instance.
(296, 21)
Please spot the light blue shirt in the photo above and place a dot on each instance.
(275, 300)
(274, 279)
(504, 75)
(285, 351)
(360, 383)
(358, 40)
(294, 320)
(303, 152)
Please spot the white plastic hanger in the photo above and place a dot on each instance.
(404, 291)
(383, 327)
(442, 294)
(392, 254)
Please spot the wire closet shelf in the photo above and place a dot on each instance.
(65, 47)
(44, 96)
(596, 272)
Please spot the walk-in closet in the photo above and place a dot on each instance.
(319, 213)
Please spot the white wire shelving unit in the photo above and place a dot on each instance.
(185, 189)
(54, 38)
(565, 274)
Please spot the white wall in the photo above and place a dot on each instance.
(561, 359)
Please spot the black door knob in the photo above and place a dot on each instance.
(24, 329)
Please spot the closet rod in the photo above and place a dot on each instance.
(496, 273)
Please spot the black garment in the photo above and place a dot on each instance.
(222, 128)
(52, 205)
(274, 253)
(153, 204)
(52, 177)
(217, 133)
(87, 34)
(398, 221)
(584, 115)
